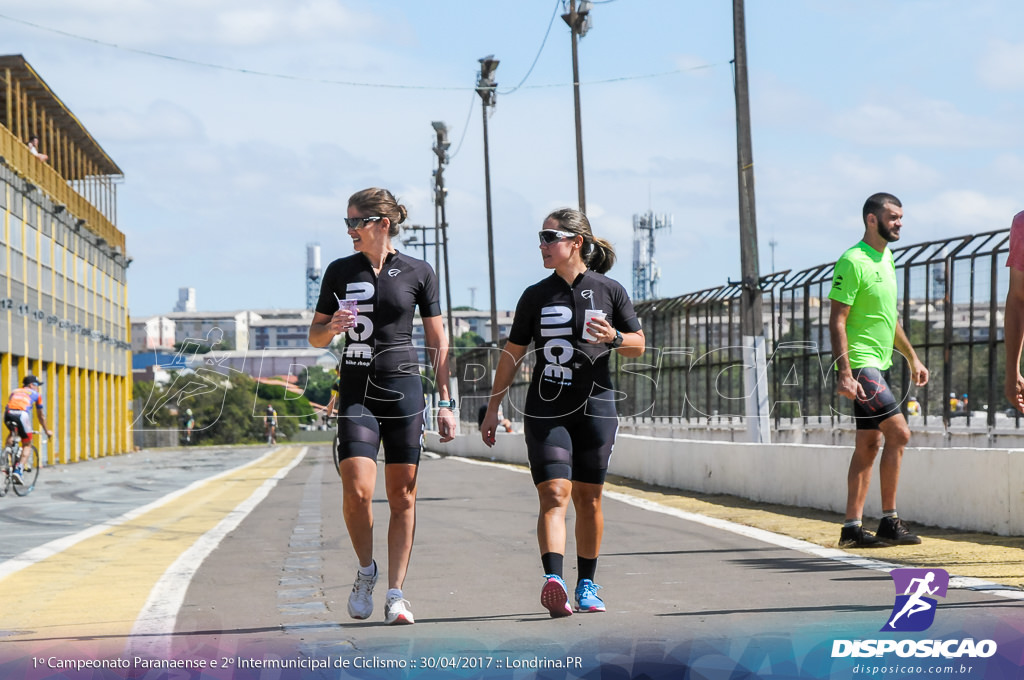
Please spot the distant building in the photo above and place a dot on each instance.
(479, 321)
(63, 270)
(220, 330)
(314, 274)
(186, 300)
(280, 330)
(266, 363)
(262, 342)
(153, 334)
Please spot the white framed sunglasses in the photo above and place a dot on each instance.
(549, 236)
(360, 222)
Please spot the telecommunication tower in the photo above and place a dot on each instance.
(313, 274)
(645, 269)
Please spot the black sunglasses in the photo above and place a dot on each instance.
(359, 222)
(549, 236)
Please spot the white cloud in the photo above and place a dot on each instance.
(147, 25)
(957, 211)
(921, 122)
(1001, 67)
(161, 121)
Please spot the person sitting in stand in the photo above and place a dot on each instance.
(33, 147)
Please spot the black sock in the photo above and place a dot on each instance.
(586, 568)
(552, 563)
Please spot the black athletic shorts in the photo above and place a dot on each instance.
(388, 411)
(880, 403)
(577, 446)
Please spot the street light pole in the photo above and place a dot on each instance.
(751, 319)
(485, 87)
(440, 192)
(579, 24)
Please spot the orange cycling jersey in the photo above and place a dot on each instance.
(22, 399)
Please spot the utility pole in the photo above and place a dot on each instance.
(440, 220)
(485, 87)
(579, 24)
(755, 380)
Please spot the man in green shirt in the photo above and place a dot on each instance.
(864, 328)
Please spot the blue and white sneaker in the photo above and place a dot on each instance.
(586, 597)
(16, 475)
(555, 596)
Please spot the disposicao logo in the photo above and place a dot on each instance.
(914, 611)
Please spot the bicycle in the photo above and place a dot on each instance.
(8, 461)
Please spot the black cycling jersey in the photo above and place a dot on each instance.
(380, 344)
(568, 369)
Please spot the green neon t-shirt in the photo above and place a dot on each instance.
(865, 279)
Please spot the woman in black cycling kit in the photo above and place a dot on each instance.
(570, 419)
(381, 394)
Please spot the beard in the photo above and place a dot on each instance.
(890, 235)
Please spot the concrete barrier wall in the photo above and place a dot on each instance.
(970, 489)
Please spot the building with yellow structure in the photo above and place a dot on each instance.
(63, 270)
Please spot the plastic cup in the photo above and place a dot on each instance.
(350, 305)
(591, 315)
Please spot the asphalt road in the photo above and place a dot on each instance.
(238, 555)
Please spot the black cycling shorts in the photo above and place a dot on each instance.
(388, 411)
(577, 446)
(880, 403)
(20, 422)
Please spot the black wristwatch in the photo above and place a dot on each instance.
(617, 342)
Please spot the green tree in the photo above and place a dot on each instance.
(469, 339)
(318, 381)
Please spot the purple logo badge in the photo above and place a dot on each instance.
(914, 610)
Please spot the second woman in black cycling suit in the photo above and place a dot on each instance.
(570, 419)
(381, 394)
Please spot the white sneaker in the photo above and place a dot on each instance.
(396, 611)
(360, 601)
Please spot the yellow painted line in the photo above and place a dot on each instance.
(99, 585)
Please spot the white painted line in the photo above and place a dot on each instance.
(154, 626)
(955, 582)
(42, 552)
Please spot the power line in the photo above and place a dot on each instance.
(465, 126)
(330, 81)
(542, 43)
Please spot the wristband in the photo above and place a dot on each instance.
(446, 403)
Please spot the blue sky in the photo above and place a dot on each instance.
(228, 174)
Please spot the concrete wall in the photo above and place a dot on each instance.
(960, 488)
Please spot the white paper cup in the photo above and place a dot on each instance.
(589, 316)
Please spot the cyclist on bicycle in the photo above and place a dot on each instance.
(270, 424)
(190, 422)
(18, 418)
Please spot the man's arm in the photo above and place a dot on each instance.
(41, 412)
(918, 372)
(846, 385)
(1013, 332)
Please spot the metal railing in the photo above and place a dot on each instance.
(951, 297)
(16, 155)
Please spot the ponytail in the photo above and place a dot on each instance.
(601, 257)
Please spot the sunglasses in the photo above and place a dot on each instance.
(359, 222)
(549, 236)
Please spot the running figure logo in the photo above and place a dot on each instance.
(913, 611)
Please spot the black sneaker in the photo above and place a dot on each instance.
(858, 537)
(893, 531)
